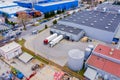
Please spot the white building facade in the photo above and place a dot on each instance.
(10, 50)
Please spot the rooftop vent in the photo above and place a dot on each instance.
(109, 24)
(86, 19)
(94, 16)
(95, 21)
(70, 30)
(113, 19)
(106, 27)
(62, 28)
(83, 21)
(92, 24)
(112, 49)
(74, 19)
(110, 53)
(101, 19)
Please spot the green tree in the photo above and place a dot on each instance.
(46, 26)
(55, 22)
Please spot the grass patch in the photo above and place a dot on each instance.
(40, 58)
(81, 72)
(21, 42)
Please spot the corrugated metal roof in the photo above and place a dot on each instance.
(104, 64)
(65, 28)
(95, 19)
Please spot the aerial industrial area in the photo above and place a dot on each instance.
(59, 40)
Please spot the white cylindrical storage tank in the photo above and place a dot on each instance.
(87, 53)
(91, 46)
(75, 59)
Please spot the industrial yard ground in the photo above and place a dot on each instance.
(58, 53)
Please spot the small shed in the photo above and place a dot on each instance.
(90, 73)
(25, 57)
(10, 50)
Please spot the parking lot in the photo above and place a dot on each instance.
(58, 53)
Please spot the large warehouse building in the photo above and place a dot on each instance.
(98, 25)
(69, 33)
(53, 6)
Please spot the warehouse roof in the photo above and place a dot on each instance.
(10, 46)
(95, 19)
(12, 10)
(105, 50)
(104, 64)
(69, 29)
(7, 4)
(55, 3)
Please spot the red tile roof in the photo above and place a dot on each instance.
(104, 64)
(105, 50)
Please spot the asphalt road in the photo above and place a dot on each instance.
(27, 33)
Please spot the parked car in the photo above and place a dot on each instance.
(34, 31)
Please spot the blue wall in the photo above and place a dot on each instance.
(23, 4)
(66, 6)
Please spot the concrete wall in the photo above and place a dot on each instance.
(71, 36)
(55, 7)
(93, 32)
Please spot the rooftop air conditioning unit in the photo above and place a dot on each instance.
(95, 21)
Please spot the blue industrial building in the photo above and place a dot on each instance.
(28, 3)
(53, 6)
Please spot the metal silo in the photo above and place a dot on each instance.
(75, 59)
(87, 53)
